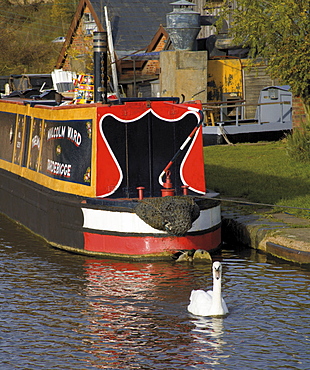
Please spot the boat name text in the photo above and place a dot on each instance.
(65, 132)
(60, 169)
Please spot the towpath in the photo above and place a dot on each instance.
(280, 234)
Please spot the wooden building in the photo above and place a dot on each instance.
(136, 28)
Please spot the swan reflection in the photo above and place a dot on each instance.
(208, 334)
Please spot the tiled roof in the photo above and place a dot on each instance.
(133, 22)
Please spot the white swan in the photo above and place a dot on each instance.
(209, 303)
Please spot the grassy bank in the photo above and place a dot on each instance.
(260, 173)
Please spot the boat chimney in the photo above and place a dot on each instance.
(183, 25)
(100, 67)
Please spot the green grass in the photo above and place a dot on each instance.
(260, 173)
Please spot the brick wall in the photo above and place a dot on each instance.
(80, 46)
(152, 66)
(299, 114)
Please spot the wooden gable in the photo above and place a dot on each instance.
(78, 45)
(142, 68)
(75, 37)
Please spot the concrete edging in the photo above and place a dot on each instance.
(269, 235)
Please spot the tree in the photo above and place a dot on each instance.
(62, 13)
(279, 32)
(26, 37)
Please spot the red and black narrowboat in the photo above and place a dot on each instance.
(123, 180)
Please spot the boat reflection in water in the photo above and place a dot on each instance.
(138, 317)
(63, 311)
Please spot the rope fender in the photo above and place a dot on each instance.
(175, 215)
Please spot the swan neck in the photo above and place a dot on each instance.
(217, 288)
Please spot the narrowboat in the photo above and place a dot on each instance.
(272, 121)
(123, 179)
(114, 178)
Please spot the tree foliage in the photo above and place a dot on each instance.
(62, 12)
(279, 32)
(26, 37)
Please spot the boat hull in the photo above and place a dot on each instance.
(247, 133)
(102, 227)
(120, 228)
(149, 246)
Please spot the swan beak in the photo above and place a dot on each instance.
(217, 273)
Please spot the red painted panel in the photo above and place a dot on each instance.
(193, 167)
(128, 245)
(106, 163)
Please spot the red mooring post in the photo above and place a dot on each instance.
(185, 189)
(140, 192)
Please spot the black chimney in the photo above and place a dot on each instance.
(100, 67)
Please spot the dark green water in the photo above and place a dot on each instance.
(63, 311)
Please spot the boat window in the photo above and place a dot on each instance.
(35, 138)
(26, 140)
(19, 141)
(8, 124)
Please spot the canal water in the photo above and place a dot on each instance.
(64, 311)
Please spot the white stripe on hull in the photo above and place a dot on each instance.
(125, 222)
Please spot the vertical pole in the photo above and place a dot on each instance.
(100, 67)
(112, 56)
(237, 115)
(150, 152)
(134, 78)
(282, 112)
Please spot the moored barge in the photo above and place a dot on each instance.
(123, 180)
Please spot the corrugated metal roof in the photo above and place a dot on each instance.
(146, 56)
(134, 22)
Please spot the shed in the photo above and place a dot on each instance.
(274, 104)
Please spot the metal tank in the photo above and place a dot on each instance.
(183, 25)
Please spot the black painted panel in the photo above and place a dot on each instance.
(144, 147)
